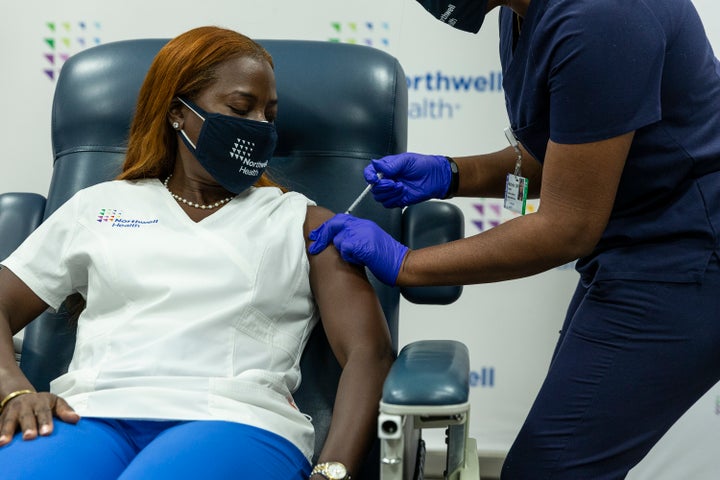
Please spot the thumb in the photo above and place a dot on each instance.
(320, 240)
(370, 174)
(65, 412)
(391, 165)
(324, 234)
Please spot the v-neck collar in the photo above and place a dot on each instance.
(177, 210)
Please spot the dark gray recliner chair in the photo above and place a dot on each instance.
(340, 106)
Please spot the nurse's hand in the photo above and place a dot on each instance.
(32, 414)
(361, 242)
(408, 178)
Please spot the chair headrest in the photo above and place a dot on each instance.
(334, 98)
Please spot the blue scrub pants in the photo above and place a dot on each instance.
(99, 449)
(632, 357)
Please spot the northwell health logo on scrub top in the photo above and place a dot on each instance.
(114, 218)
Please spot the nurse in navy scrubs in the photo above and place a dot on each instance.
(614, 108)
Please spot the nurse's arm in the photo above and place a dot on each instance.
(358, 335)
(484, 175)
(579, 184)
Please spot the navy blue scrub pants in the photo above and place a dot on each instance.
(100, 449)
(632, 357)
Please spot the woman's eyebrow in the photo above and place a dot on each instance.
(251, 96)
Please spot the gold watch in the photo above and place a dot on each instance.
(331, 471)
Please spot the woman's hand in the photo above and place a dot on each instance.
(32, 414)
(361, 242)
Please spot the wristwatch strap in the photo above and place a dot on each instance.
(454, 179)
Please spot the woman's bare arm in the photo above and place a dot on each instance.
(357, 331)
(33, 413)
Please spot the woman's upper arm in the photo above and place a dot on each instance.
(18, 304)
(579, 186)
(349, 308)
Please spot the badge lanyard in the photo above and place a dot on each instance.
(516, 186)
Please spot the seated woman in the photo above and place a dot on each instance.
(200, 297)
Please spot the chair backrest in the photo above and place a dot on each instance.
(339, 106)
(20, 214)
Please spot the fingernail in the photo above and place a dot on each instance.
(3, 438)
(45, 429)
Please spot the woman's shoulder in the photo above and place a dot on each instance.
(316, 216)
(111, 186)
(101, 193)
(274, 198)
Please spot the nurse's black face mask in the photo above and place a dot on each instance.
(235, 151)
(467, 15)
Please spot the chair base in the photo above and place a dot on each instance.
(402, 450)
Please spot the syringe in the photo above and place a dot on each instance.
(362, 195)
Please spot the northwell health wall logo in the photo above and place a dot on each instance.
(482, 378)
(370, 33)
(438, 95)
(490, 212)
(433, 94)
(64, 39)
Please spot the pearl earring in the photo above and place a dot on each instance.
(175, 125)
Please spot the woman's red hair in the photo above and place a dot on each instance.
(183, 67)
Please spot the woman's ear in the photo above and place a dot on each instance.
(175, 114)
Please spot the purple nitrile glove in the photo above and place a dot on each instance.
(361, 242)
(408, 178)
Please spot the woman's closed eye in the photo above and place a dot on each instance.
(240, 112)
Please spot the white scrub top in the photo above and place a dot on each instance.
(184, 320)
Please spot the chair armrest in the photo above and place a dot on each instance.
(429, 373)
(17, 343)
(424, 225)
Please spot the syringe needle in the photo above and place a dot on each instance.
(362, 195)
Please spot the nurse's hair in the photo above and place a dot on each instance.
(182, 68)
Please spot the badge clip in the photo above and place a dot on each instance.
(516, 186)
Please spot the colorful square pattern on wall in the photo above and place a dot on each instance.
(64, 39)
(372, 34)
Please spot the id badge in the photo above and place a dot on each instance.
(516, 189)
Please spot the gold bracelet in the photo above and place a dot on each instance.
(12, 395)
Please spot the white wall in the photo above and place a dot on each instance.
(510, 346)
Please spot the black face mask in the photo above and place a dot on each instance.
(234, 150)
(466, 15)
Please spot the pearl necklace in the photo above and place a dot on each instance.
(193, 204)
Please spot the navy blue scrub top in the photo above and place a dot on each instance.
(588, 70)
